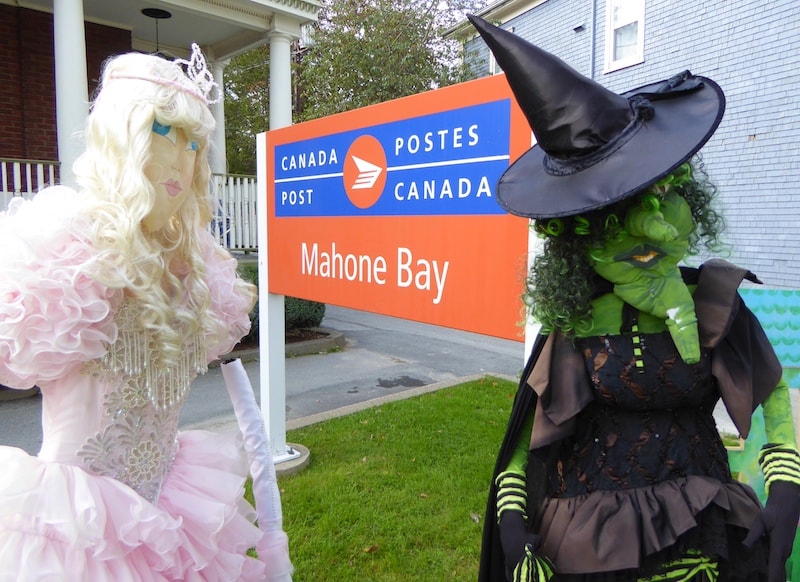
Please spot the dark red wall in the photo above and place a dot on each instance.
(27, 79)
(12, 144)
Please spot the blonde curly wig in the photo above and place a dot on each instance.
(163, 270)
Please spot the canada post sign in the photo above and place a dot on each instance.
(440, 164)
(392, 209)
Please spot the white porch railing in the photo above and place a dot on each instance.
(234, 226)
(24, 178)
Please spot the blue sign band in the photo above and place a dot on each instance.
(446, 163)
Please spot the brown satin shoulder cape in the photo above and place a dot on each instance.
(554, 385)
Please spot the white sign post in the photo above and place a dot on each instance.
(271, 325)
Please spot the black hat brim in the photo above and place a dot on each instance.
(678, 129)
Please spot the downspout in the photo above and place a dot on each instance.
(593, 46)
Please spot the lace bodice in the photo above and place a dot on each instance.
(141, 407)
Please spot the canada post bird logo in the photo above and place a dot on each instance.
(365, 171)
(368, 174)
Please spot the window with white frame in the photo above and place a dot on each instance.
(624, 33)
(494, 68)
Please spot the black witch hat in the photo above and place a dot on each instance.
(594, 147)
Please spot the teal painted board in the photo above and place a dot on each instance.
(778, 310)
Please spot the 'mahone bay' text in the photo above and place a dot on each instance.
(403, 270)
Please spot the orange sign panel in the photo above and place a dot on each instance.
(392, 209)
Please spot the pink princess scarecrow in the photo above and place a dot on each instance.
(114, 298)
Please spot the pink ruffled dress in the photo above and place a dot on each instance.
(116, 492)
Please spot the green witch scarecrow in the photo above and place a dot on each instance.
(612, 468)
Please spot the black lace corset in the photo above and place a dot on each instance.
(648, 422)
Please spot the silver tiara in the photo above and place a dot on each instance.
(198, 82)
(202, 79)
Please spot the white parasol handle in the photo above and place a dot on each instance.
(273, 549)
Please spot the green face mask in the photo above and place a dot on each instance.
(642, 262)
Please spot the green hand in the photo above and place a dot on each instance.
(667, 297)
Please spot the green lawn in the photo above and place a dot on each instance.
(397, 492)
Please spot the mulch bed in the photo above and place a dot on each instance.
(301, 335)
(292, 336)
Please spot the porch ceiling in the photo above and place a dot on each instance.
(224, 28)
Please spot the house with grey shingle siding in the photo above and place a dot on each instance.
(752, 49)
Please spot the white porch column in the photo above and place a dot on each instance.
(72, 88)
(280, 75)
(218, 158)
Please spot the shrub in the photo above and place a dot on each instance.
(299, 313)
(249, 272)
(303, 313)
